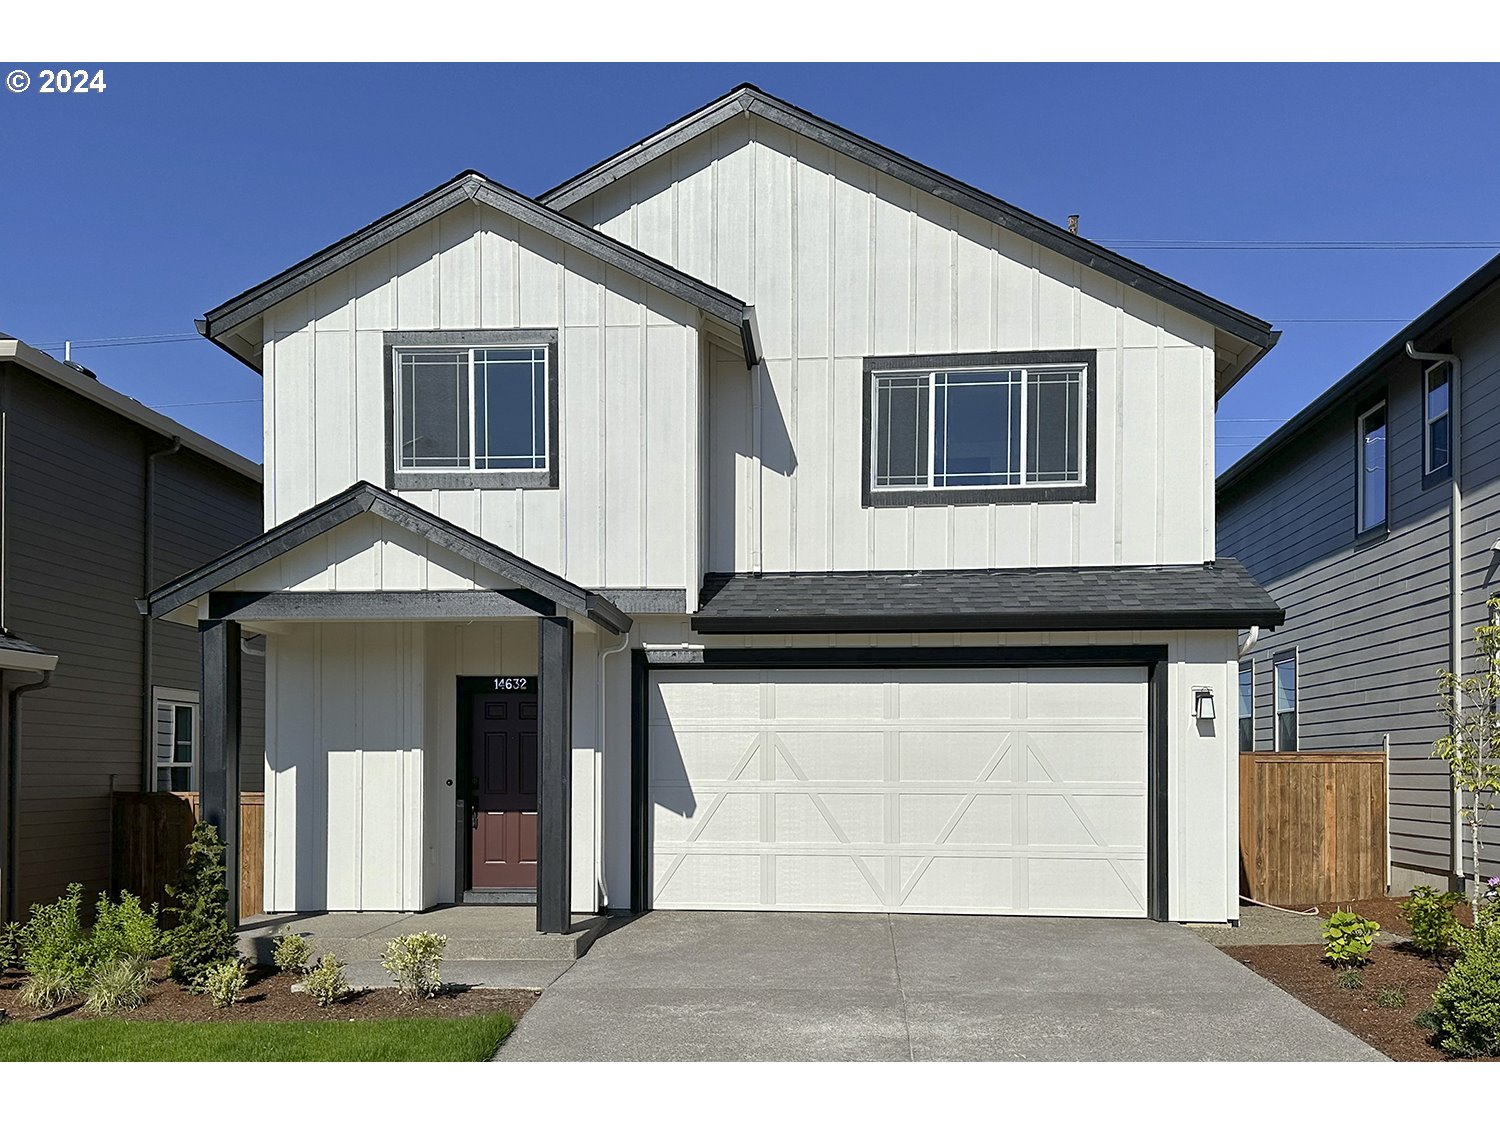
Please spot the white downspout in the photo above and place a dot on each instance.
(1455, 551)
(1250, 639)
(602, 894)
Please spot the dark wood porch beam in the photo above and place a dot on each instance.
(219, 744)
(555, 775)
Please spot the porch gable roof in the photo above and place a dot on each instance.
(365, 497)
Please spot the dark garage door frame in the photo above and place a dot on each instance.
(1152, 657)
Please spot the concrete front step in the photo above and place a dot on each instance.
(475, 934)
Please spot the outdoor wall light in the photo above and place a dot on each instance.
(1203, 704)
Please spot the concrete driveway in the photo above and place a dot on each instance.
(670, 986)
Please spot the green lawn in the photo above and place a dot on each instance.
(467, 1039)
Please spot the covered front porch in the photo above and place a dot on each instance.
(420, 741)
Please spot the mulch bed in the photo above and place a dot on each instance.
(1387, 911)
(269, 996)
(1301, 970)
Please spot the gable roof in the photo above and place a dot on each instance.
(750, 99)
(85, 386)
(1220, 594)
(364, 497)
(463, 188)
(1365, 374)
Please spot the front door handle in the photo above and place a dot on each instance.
(473, 819)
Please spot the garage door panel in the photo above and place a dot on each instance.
(839, 696)
(691, 757)
(826, 881)
(829, 755)
(956, 694)
(707, 817)
(1073, 757)
(1104, 886)
(963, 791)
(952, 755)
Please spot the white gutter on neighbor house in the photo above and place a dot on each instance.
(1250, 639)
(1455, 554)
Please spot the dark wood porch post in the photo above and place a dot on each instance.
(219, 744)
(555, 775)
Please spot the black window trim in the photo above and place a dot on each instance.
(1247, 664)
(1443, 472)
(1375, 530)
(1084, 493)
(1278, 658)
(497, 479)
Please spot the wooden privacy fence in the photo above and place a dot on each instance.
(151, 832)
(1312, 827)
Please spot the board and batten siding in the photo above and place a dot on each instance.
(843, 262)
(626, 509)
(1368, 616)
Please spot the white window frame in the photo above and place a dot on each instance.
(1428, 468)
(1286, 656)
(1024, 371)
(472, 467)
(1362, 474)
(177, 697)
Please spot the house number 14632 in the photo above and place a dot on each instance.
(512, 683)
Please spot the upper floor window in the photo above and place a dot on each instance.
(473, 409)
(1372, 475)
(1436, 415)
(986, 428)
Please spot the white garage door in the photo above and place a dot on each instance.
(966, 791)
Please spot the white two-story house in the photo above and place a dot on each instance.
(758, 521)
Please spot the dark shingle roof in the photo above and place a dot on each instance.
(9, 642)
(1211, 596)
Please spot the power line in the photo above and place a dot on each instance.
(1286, 244)
(212, 402)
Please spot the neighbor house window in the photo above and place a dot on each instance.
(176, 738)
(979, 431)
(1284, 673)
(1247, 706)
(472, 409)
(1372, 486)
(1438, 442)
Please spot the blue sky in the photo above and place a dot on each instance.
(130, 212)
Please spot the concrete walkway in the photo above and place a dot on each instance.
(671, 986)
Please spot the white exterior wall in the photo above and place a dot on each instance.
(626, 511)
(1202, 765)
(842, 262)
(361, 749)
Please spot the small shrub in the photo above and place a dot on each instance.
(1391, 998)
(1465, 1012)
(10, 945)
(1429, 914)
(1348, 939)
(325, 982)
(50, 986)
(1350, 978)
(291, 953)
(414, 961)
(224, 982)
(125, 930)
(57, 945)
(200, 937)
(117, 986)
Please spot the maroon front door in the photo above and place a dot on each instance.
(503, 821)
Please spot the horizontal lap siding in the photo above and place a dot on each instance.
(842, 262)
(628, 358)
(1369, 620)
(75, 550)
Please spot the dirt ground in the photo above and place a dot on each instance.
(269, 996)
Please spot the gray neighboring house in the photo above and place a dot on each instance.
(1346, 515)
(100, 499)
